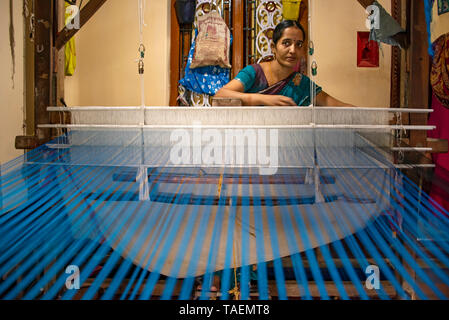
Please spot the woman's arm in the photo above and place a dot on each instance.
(323, 99)
(234, 89)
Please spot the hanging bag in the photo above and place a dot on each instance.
(212, 43)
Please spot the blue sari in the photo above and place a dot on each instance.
(295, 86)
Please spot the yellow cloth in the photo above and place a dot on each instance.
(70, 52)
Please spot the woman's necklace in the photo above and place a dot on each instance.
(273, 80)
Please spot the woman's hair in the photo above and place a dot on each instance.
(284, 25)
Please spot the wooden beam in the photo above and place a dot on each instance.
(225, 102)
(419, 72)
(85, 14)
(27, 142)
(60, 67)
(438, 145)
(29, 74)
(60, 55)
(43, 60)
(291, 287)
(238, 36)
(365, 3)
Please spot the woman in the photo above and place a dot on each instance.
(275, 83)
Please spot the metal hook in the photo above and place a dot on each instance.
(314, 68)
(311, 48)
(142, 50)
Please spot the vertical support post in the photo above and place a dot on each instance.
(29, 68)
(419, 72)
(59, 67)
(43, 60)
(418, 66)
(60, 58)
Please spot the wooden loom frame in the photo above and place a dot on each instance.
(415, 64)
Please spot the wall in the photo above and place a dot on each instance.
(11, 90)
(439, 24)
(335, 26)
(107, 47)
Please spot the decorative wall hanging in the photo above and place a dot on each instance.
(367, 51)
(443, 6)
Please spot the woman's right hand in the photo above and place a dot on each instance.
(278, 101)
(234, 89)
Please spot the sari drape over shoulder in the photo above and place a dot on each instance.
(295, 86)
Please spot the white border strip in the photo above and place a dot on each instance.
(207, 109)
(317, 126)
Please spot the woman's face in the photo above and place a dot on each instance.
(289, 47)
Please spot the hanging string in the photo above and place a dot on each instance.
(141, 64)
(142, 7)
(312, 69)
(311, 62)
(142, 174)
